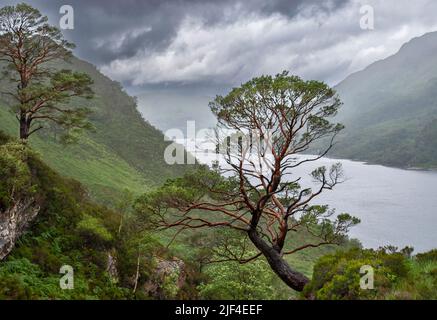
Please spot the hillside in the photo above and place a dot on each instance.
(124, 152)
(390, 108)
(59, 225)
(63, 228)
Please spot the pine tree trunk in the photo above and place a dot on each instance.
(24, 128)
(292, 278)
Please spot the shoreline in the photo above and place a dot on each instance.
(432, 169)
(370, 162)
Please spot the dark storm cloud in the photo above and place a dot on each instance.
(290, 8)
(134, 25)
(201, 43)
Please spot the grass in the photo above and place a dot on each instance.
(421, 284)
(302, 261)
(124, 152)
(102, 171)
(70, 230)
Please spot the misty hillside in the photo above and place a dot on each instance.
(124, 152)
(390, 108)
(176, 108)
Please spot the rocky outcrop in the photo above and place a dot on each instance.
(13, 223)
(169, 278)
(111, 267)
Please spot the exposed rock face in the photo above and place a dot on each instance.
(13, 223)
(112, 267)
(170, 276)
(174, 267)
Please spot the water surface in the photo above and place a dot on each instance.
(396, 207)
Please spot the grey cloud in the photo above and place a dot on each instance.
(176, 55)
(102, 20)
(149, 43)
(318, 41)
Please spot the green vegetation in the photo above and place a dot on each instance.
(92, 228)
(396, 275)
(261, 240)
(53, 94)
(123, 152)
(71, 230)
(15, 174)
(231, 281)
(56, 238)
(28, 44)
(227, 247)
(251, 194)
(223, 278)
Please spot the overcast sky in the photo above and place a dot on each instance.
(187, 44)
(155, 42)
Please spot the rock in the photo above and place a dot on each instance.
(112, 267)
(166, 268)
(13, 223)
(169, 278)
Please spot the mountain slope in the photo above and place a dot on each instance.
(63, 228)
(124, 152)
(390, 108)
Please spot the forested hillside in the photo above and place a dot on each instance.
(390, 108)
(123, 152)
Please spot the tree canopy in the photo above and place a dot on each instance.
(254, 190)
(29, 45)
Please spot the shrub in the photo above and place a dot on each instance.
(233, 281)
(14, 172)
(56, 237)
(430, 256)
(93, 230)
(337, 276)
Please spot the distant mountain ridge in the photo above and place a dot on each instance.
(124, 152)
(390, 108)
